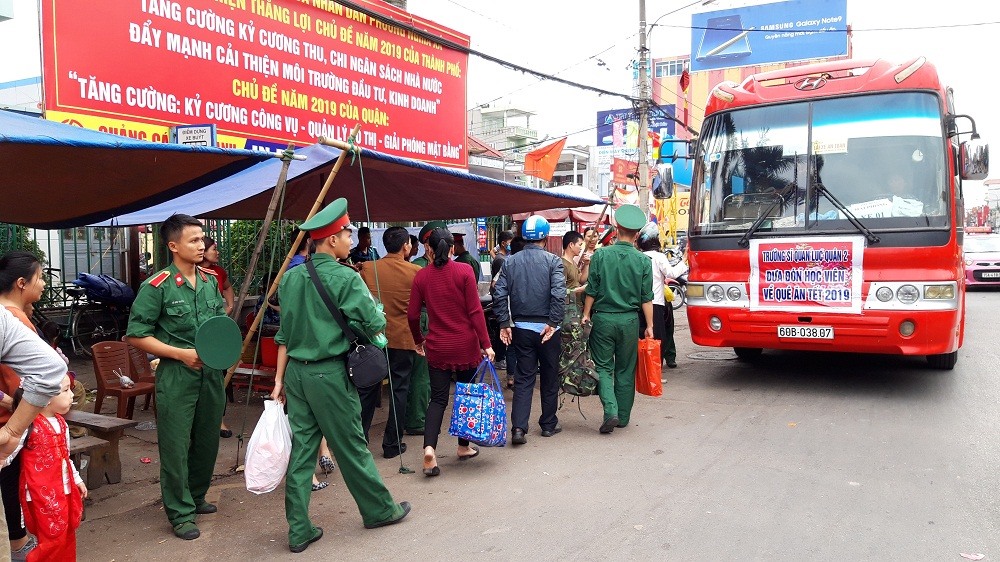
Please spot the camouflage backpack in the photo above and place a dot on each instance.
(577, 374)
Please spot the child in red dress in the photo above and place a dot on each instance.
(52, 491)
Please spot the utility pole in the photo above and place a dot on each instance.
(643, 111)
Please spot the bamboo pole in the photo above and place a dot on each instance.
(272, 207)
(252, 329)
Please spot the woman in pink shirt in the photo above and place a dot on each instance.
(457, 339)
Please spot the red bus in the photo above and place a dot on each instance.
(826, 212)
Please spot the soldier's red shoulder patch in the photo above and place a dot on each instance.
(160, 278)
(208, 271)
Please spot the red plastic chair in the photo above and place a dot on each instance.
(111, 359)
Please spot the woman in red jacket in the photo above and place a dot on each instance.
(456, 341)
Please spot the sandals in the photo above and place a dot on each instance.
(326, 463)
(434, 470)
(473, 455)
(320, 485)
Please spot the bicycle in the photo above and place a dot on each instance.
(88, 322)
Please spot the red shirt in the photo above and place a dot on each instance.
(456, 325)
(220, 275)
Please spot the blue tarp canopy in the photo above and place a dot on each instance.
(398, 189)
(59, 176)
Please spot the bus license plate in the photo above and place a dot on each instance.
(806, 332)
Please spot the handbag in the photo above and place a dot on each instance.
(480, 413)
(367, 365)
(268, 450)
(647, 368)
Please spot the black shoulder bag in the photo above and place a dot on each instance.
(367, 365)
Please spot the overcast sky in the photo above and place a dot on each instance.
(572, 38)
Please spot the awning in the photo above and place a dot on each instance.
(398, 189)
(589, 214)
(60, 176)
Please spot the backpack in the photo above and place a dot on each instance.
(105, 288)
(577, 373)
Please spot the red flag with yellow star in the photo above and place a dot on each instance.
(541, 163)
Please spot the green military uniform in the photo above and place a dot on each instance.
(189, 402)
(420, 380)
(620, 281)
(466, 257)
(322, 401)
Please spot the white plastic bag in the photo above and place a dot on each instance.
(269, 449)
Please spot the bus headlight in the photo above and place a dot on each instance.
(907, 294)
(884, 294)
(695, 291)
(715, 323)
(715, 293)
(734, 293)
(939, 292)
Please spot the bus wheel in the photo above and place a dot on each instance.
(748, 353)
(944, 361)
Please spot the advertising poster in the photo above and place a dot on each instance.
(769, 33)
(807, 275)
(620, 128)
(264, 72)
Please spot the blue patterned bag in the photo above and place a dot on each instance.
(480, 413)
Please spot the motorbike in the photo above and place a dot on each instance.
(679, 284)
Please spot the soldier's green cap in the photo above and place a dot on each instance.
(329, 221)
(425, 232)
(630, 217)
(218, 342)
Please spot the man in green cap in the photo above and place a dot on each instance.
(312, 376)
(464, 256)
(619, 285)
(419, 395)
(165, 317)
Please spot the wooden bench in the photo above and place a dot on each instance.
(106, 463)
(263, 377)
(79, 446)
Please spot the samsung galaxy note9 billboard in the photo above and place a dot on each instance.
(769, 33)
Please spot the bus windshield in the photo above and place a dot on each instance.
(882, 156)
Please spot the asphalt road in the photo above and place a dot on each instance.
(798, 457)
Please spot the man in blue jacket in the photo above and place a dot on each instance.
(530, 302)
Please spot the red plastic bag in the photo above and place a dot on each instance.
(647, 368)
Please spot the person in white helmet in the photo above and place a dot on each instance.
(530, 298)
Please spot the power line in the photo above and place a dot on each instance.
(463, 49)
(832, 30)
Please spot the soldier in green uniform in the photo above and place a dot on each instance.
(619, 285)
(165, 317)
(420, 380)
(312, 375)
(463, 255)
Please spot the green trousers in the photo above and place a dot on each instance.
(419, 395)
(614, 348)
(189, 407)
(322, 402)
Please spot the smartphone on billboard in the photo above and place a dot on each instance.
(724, 39)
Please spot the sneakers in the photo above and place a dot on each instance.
(501, 365)
(187, 531)
(405, 508)
(609, 424)
(22, 553)
(297, 548)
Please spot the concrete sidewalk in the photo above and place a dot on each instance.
(125, 521)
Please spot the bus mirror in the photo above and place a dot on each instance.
(663, 185)
(975, 159)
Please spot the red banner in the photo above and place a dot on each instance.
(620, 170)
(802, 275)
(266, 72)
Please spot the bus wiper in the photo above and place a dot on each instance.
(872, 238)
(744, 241)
